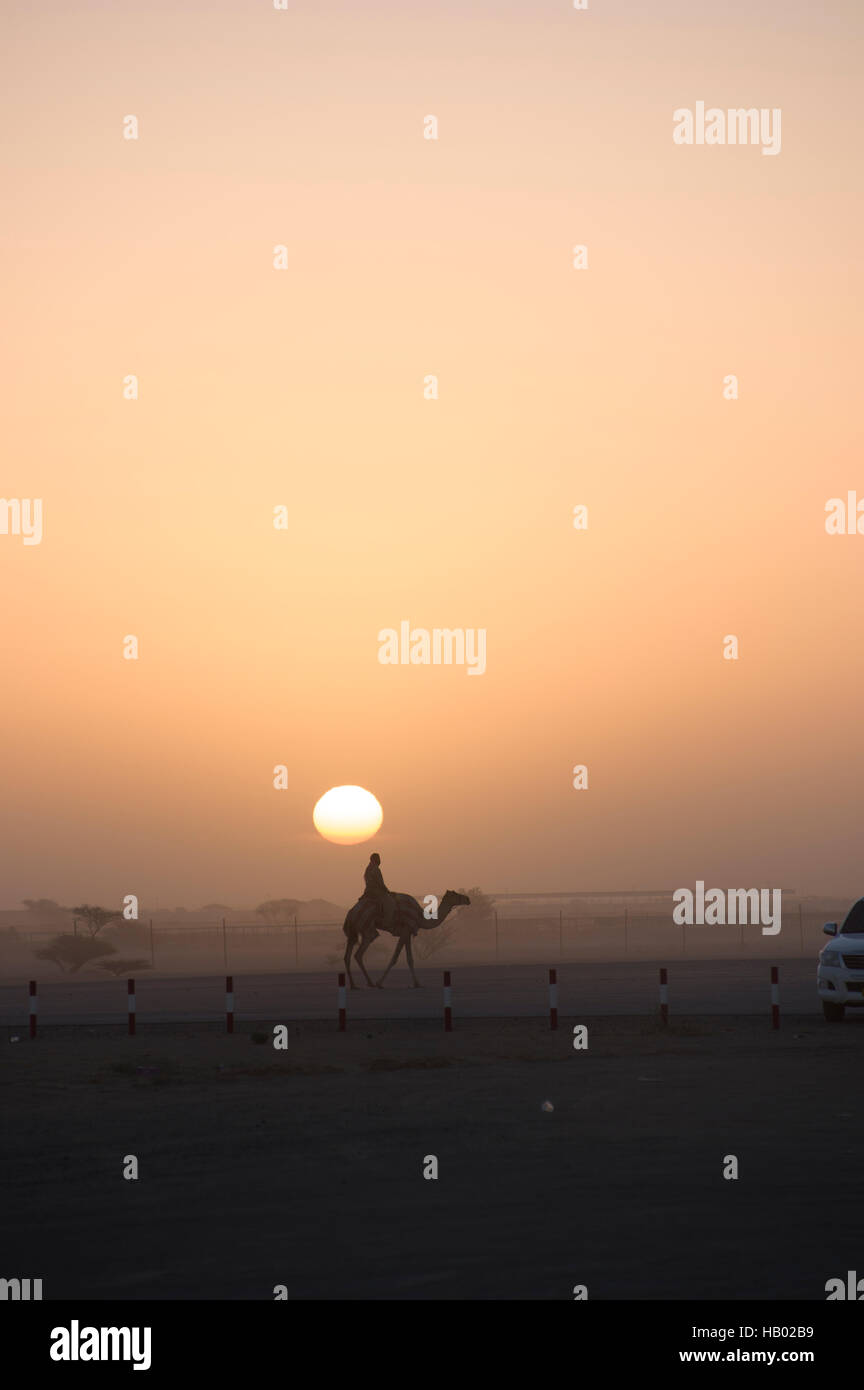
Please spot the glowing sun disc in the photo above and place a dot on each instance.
(347, 815)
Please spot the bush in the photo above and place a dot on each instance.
(72, 952)
(124, 966)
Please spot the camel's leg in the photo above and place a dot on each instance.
(410, 958)
(352, 942)
(393, 959)
(365, 944)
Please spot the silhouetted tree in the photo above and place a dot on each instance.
(124, 966)
(95, 917)
(278, 909)
(482, 908)
(71, 952)
(40, 908)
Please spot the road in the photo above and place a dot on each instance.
(502, 991)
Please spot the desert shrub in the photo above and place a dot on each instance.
(72, 952)
(124, 966)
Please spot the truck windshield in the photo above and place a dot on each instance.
(854, 924)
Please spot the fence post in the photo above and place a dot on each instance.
(496, 936)
(130, 990)
(296, 943)
(341, 1003)
(448, 1012)
(553, 998)
(224, 943)
(664, 996)
(626, 924)
(33, 1008)
(152, 947)
(229, 1003)
(775, 997)
(561, 935)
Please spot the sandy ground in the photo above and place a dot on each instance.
(304, 1167)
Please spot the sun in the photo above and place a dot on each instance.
(347, 815)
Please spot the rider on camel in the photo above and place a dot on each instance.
(378, 892)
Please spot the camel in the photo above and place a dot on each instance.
(361, 925)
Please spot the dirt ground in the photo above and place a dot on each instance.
(304, 1167)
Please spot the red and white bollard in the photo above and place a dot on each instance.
(664, 995)
(448, 1001)
(33, 1008)
(553, 998)
(341, 1003)
(229, 1003)
(130, 990)
(775, 997)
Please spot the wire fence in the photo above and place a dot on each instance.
(550, 939)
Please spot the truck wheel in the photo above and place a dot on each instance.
(833, 1012)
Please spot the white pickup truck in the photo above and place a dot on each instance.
(840, 976)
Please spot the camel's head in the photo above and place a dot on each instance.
(451, 900)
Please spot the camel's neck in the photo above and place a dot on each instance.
(444, 912)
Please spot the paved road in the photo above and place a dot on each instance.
(503, 991)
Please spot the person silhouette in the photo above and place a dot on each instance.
(378, 892)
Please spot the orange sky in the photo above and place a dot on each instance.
(304, 387)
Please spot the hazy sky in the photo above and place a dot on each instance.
(304, 388)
